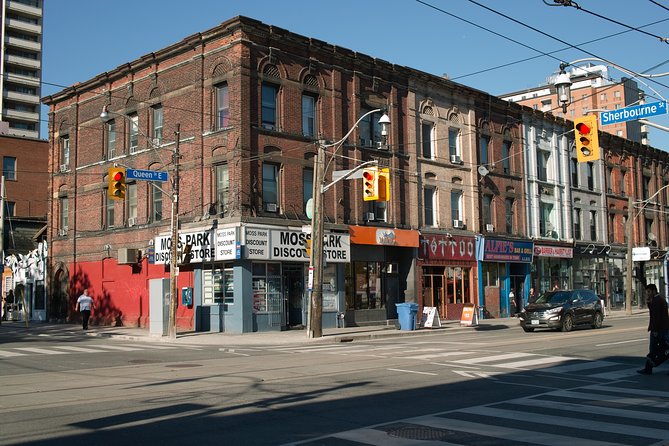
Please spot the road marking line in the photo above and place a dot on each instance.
(412, 371)
(622, 342)
(6, 354)
(119, 348)
(42, 351)
(493, 358)
(78, 349)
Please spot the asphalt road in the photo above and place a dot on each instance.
(496, 385)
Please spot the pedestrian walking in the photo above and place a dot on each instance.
(84, 305)
(658, 326)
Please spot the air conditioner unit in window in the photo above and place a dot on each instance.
(455, 159)
(489, 227)
(133, 149)
(63, 167)
(271, 207)
(132, 221)
(127, 256)
(458, 224)
(62, 231)
(157, 141)
(369, 216)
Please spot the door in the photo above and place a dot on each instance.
(293, 291)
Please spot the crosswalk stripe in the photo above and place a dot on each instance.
(579, 366)
(119, 348)
(42, 351)
(72, 348)
(617, 374)
(439, 355)
(156, 347)
(531, 362)
(376, 437)
(651, 393)
(7, 354)
(484, 359)
(647, 402)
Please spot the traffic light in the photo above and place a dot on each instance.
(587, 140)
(384, 184)
(370, 184)
(116, 183)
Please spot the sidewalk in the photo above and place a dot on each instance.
(330, 335)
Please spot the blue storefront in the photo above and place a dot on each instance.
(504, 267)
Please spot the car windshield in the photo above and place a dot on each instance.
(554, 297)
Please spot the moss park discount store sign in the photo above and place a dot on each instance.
(250, 242)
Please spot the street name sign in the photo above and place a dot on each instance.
(147, 175)
(633, 113)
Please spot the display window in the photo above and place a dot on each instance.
(218, 286)
(267, 296)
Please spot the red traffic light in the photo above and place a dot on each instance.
(582, 128)
(118, 176)
(368, 176)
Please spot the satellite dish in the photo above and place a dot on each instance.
(651, 236)
(483, 171)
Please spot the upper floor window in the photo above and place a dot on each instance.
(109, 211)
(456, 205)
(222, 188)
(156, 203)
(543, 159)
(222, 106)
(506, 156)
(133, 134)
(270, 187)
(577, 224)
(593, 225)
(111, 139)
(63, 213)
(508, 207)
(622, 182)
(487, 209)
(429, 195)
(454, 142)
(612, 227)
(573, 167)
(484, 142)
(590, 169)
(10, 208)
(609, 178)
(307, 186)
(131, 196)
(546, 226)
(157, 131)
(308, 115)
(369, 129)
(427, 139)
(9, 167)
(269, 106)
(65, 151)
(646, 187)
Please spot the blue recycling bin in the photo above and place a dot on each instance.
(406, 313)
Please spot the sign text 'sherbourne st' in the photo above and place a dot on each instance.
(633, 113)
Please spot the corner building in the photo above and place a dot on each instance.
(250, 103)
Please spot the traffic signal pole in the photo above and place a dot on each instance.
(174, 248)
(315, 316)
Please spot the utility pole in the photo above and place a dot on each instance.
(315, 316)
(174, 260)
(630, 264)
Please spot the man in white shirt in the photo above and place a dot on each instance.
(84, 305)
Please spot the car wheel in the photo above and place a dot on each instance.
(597, 320)
(567, 322)
(528, 329)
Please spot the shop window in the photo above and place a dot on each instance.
(218, 286)
(267, 296)
(367, 279)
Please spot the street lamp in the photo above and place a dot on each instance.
(174, 219)
(315, 315)
(563, 87)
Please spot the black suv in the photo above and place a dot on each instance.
(563, 310)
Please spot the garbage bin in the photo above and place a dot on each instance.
(406, 313)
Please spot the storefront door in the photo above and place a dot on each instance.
(293, 291)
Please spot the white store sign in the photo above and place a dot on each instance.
(285, 244)
(202, 247)
(227, 246)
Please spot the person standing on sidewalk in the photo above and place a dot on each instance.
(658, 326)
(84, 305)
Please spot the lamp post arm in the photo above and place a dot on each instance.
(352, 128)
(326, 187)
(652, 124)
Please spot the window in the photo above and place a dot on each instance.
(308, 115)
(612, 228)
(10, 207)
(609, 178)
(484, 142)
(622, 182)
(131, 196)
(456, 205)
(646, 187)
(616, 94)
(508, 207)
(307, 186)
(454, 142)
(487, 209)
(602, 97)
(542, 164)
(222, 107)
(133, 134)
(109, 211)
(577, 224)
(9, 168)
(370, 129)
(63, 213)
(506, 156)
(157, 121)
(590, 169)
(156, 203)
(546, 227)
(379, 209)
(270, 187)
(222, 189)
(65, 151)
(111, 139)
(269, 111)
(574, 172)
(427, 129)
(429, 195)
(625, 226)
(218, 285)
(593, 225)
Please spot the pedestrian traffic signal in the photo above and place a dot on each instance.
(116, 183)
(587, 140)
(370, 184)
(384, 184)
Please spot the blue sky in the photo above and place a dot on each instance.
(463, 39)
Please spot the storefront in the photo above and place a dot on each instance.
(552, 268)
(382, 273)
(447, 273)
(616, 278)
(590, 268)
(504, 275)
(253, 278)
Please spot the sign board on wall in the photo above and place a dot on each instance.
(554, 251)
(227, 245)
(288, 244)
(502, 250)
(202, 246)
(442, 247)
